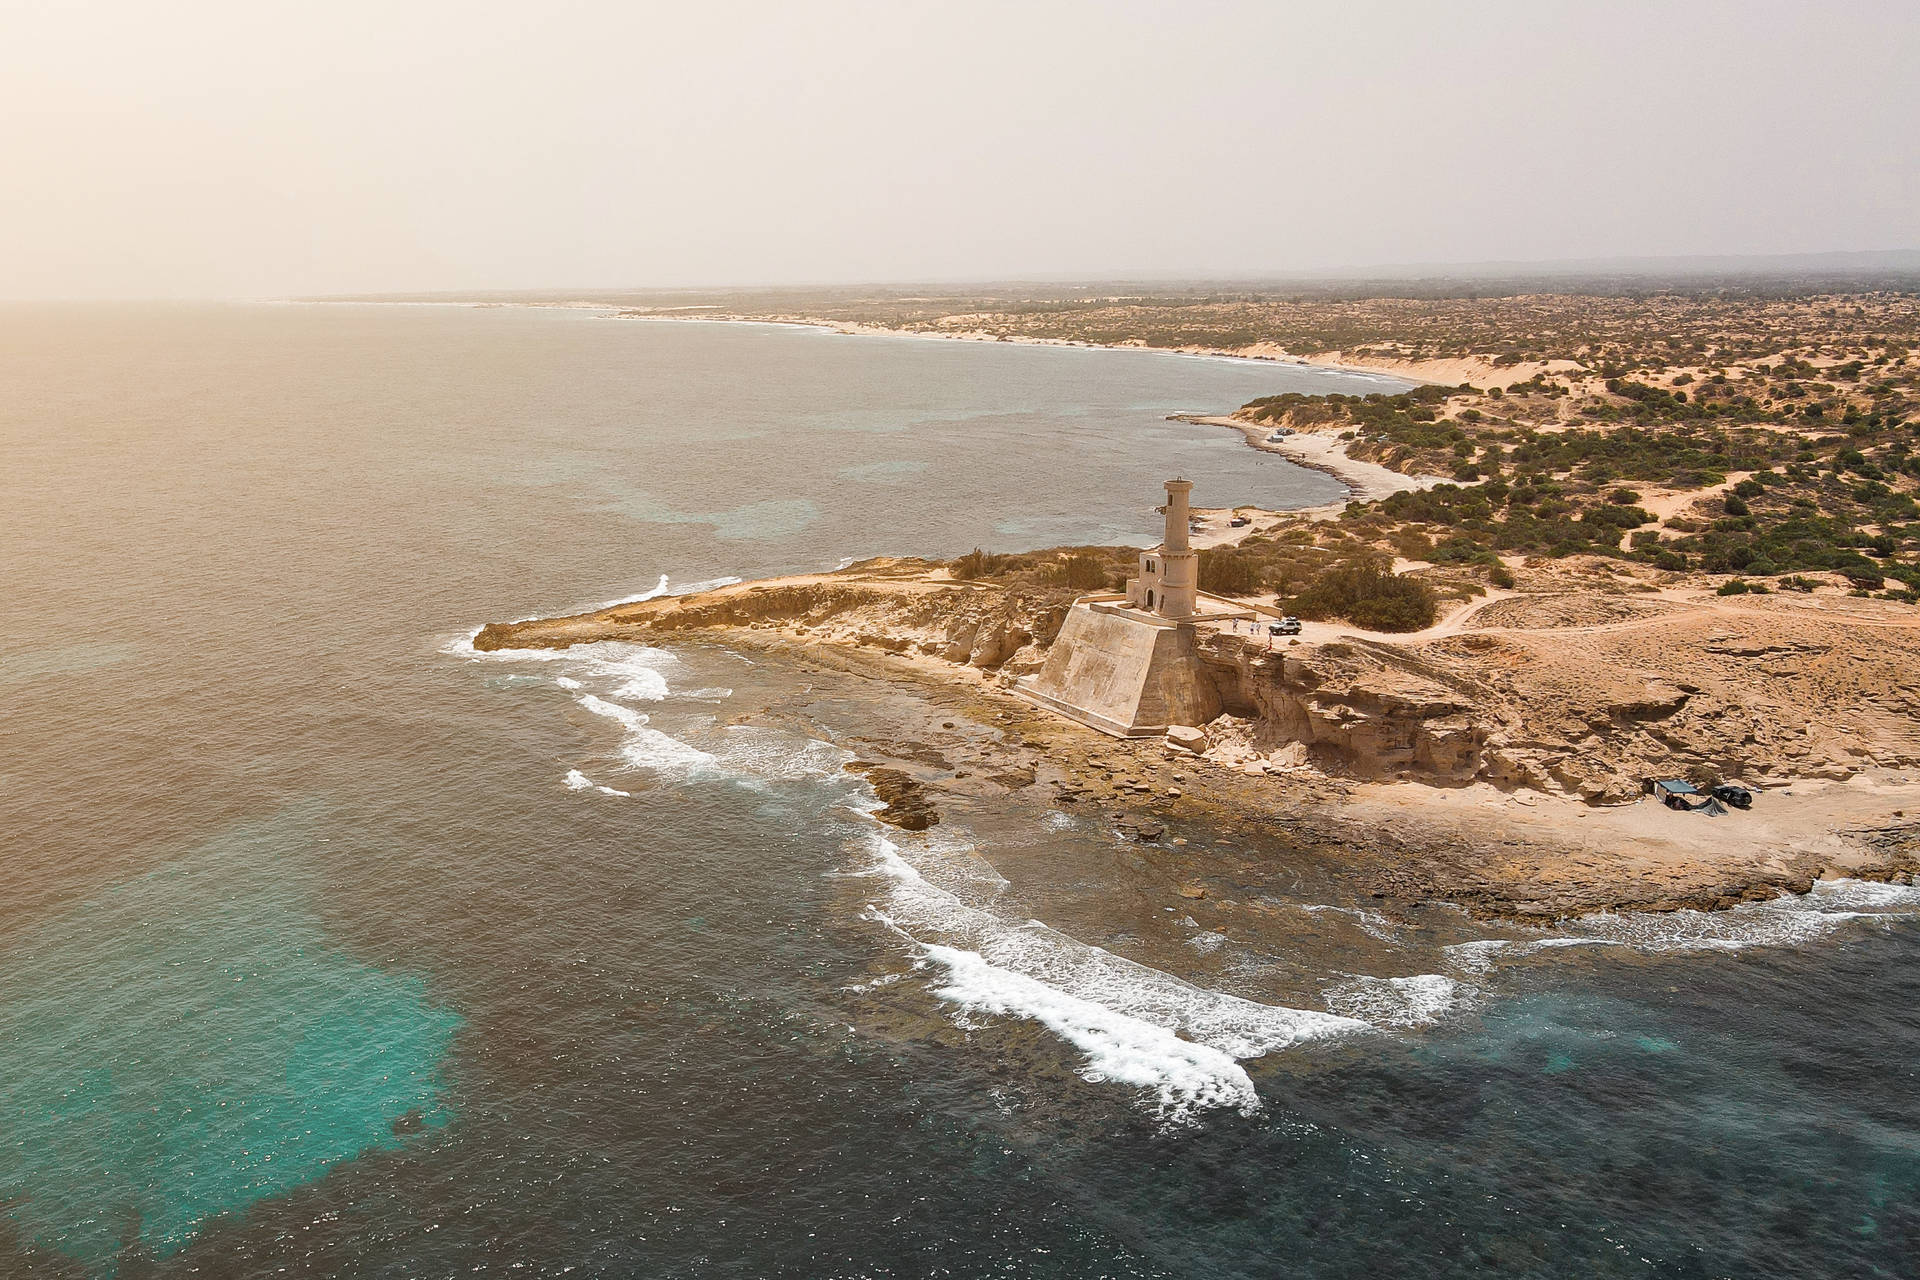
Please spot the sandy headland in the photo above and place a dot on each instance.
(1493, 762)
(1576, 520)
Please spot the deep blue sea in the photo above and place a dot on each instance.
(331, 948)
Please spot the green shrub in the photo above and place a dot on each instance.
(1083, 572)
(1617, 517)
(1733, 588)
(1368, 595)
(1228, 571)
(978, 564)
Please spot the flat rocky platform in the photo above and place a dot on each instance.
(1567, 692)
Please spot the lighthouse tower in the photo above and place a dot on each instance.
(1169, 581)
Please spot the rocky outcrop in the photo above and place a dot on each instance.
(904, 802)
(1566, 694)
(899, 606)
(1361, 710)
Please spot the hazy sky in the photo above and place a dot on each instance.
(252, 147)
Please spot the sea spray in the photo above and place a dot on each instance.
(1133, 1024)
(1788, 920)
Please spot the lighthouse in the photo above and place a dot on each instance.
(1169, 581)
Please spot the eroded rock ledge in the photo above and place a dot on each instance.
(1458, 759)
(1765, 692)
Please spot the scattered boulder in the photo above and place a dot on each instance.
(1184, 738)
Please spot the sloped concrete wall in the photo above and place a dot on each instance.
(1125, 676)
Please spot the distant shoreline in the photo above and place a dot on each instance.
(855, 329)
(1448, 371)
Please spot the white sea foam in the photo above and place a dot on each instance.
(1186, 1076)
(643, 685)
(1789, 920)
(645, 747)
(1371, 923)
(462, 646)
(661, 588)
(1479, 956)
(1870, 896)
(1135, 1024)
(776, 755)
(578, 781)
(636, 672)
(1418, 1001)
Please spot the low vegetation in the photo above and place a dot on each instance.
(1778, 468)
(1331, 577)
(1767, 433)
(1368, 595)
(1074, 568)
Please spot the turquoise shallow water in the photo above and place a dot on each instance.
(188, 1043)
(329, 949)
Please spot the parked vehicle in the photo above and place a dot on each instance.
(1728, 793)
(1240, 522)
(1284, 627)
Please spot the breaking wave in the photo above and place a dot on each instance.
(1131, 1023)
(774, 755)
(661, 588)
(1185, 1074)
(643, 746)
(1789, 920)
(578, 781)
(1402, 1003)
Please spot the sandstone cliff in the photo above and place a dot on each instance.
(1569, 693)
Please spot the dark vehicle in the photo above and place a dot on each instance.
(1241, 522)
(1738, 797)
(1284, 627)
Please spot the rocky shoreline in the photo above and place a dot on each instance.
(1522, 854)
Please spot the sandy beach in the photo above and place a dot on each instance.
(1324, 451)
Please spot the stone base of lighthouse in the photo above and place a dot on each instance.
(1124, 673)
(1128, 664)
